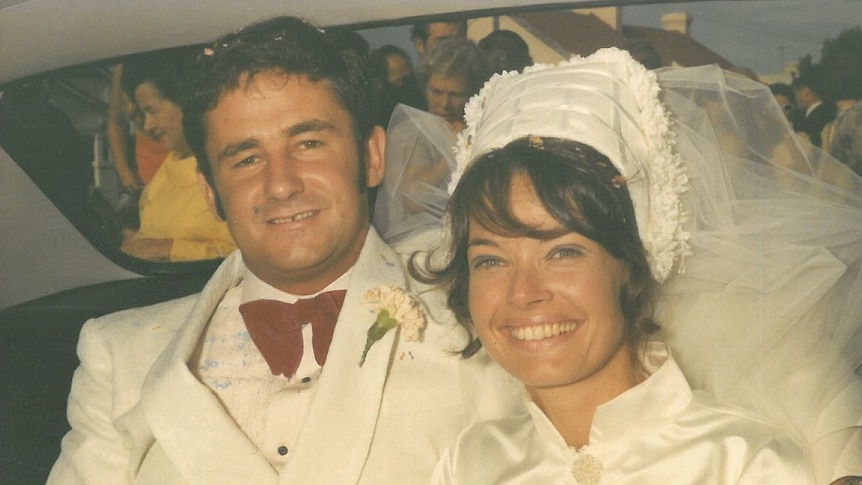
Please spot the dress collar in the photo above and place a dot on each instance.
(658, 399)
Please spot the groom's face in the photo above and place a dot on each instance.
(286, 170)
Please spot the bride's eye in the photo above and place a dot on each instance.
(567, 252)
(485, 262)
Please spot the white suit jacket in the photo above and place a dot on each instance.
(138, 415)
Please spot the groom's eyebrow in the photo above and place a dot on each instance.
(234, 148)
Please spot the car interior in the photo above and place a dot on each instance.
(61, 263)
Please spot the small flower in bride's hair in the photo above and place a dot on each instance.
(618, 181)
(208, 52)
(535, 141)
(583, 156)
(395, 307)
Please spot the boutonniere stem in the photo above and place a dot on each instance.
(395, 307)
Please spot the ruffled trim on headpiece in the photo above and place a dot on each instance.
(661, 175)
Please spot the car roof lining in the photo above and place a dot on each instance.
(37, 36)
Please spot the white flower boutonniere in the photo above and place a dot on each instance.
(394, 307)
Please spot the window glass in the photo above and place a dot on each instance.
(100, 154)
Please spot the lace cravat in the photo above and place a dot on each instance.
(275, 327)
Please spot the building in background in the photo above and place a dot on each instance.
(557, 35)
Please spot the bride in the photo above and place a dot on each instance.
(617, 238)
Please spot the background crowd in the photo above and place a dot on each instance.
(822, 103)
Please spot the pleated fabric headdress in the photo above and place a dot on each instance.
(608, 101)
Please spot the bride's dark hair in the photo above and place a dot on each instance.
(579, 187)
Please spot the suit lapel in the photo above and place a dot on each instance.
(186, 418)
(336, 438)
(204, 442)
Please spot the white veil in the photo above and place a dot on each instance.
(766, 311)
(419, 164)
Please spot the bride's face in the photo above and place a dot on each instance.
(548, 311)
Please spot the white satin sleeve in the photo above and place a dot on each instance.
(778, 461)
(443, 473)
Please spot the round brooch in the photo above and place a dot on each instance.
(586, 468)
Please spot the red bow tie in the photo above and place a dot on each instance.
(275, 328)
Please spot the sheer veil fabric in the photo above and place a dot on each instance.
(419, 164)
(766, 310)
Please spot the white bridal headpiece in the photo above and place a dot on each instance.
(608, 101)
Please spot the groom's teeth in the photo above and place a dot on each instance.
(539, 332)
(298, 217)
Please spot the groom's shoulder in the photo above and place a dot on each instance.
(156, 319)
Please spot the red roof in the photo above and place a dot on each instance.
(676, 47)
(571, 33)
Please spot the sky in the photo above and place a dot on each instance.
(760, 34)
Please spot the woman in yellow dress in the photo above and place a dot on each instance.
(176, 223)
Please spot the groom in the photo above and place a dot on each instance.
(215, 388)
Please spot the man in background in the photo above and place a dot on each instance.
(426, 34)
(818, 112)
